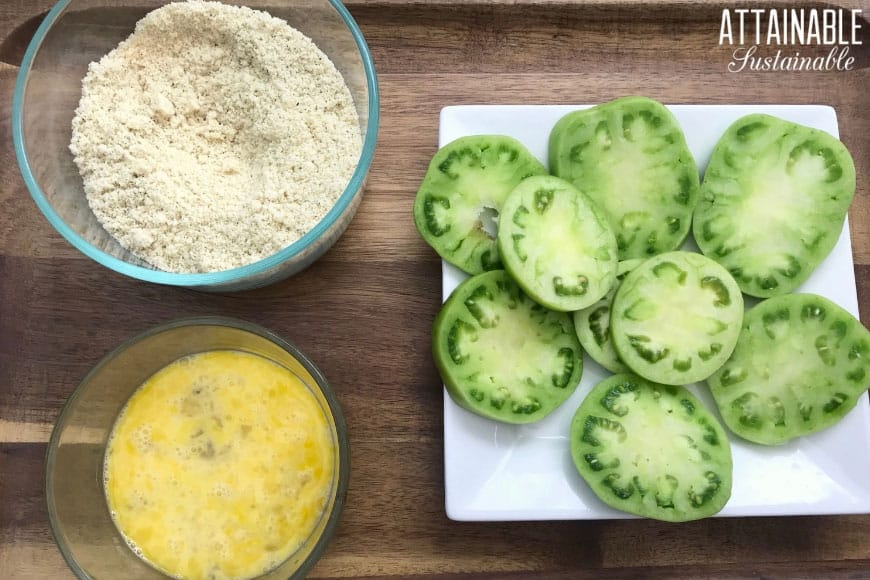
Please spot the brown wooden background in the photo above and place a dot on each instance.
(363, 312)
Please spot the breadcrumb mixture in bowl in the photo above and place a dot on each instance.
(213, 137)
(214, 146)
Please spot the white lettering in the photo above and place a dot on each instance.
(758, 12)
(829, 27)
(837, 58)
(832, 28)
(797, 26)
(813, 31)
(742, 13)
(742, 56)
(773, 28)
(726, 24)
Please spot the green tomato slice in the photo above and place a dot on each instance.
(462, 193)
(592, 324)
(502, 355)
(800, 365)
(773, 202)
(556, 244)
(630, 156)
(651, 450)
(676, 318)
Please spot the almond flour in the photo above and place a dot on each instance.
(213, 137)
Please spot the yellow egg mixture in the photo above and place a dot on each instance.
(219, 466)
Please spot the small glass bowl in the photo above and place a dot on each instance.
(47, 91)
(78, 511)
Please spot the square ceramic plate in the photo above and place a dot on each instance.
(507, 472)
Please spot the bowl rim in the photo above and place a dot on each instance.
(353, 189)
(342, 440)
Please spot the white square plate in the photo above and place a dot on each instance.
(497, 472)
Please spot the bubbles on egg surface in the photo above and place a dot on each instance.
(182, 452)
(132, 545)
(173, 544)
(141, 438)
(294, 435)
(219, 546)
(185, 361)
(175, 402)
(135, 499)
(221, 489)
(234, 381)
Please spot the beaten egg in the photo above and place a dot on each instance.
(219, 466)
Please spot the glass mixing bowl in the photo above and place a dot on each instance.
(77, 507)
(47, 91)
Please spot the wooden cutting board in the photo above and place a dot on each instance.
(363, 312)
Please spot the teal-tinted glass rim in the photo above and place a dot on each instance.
(353, 188)
(342, 442)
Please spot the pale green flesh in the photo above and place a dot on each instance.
(556, 245)
(668, 327)
(800, 364)
(592, 325)
(503, 356)
(467, 178)
(772, 204)
(631, 158)
(655, 455)
(508, 355)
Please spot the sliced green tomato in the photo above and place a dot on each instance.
(676, 318)
(592, 325)
(651, 450)
(630, 156)
(800, 365)
(773, 202)
(502, 355)
(555, 243)
(462, 193)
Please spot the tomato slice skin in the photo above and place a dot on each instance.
(630, 156)
(503, 356)
(800, 365)
(556, 244)
(465, 186)
(593, 324)
(651, 450)
(676, 317)
(773, 202)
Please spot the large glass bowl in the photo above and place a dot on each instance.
(77, 507)
(47, 91)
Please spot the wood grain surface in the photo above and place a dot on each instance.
(364, 311)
